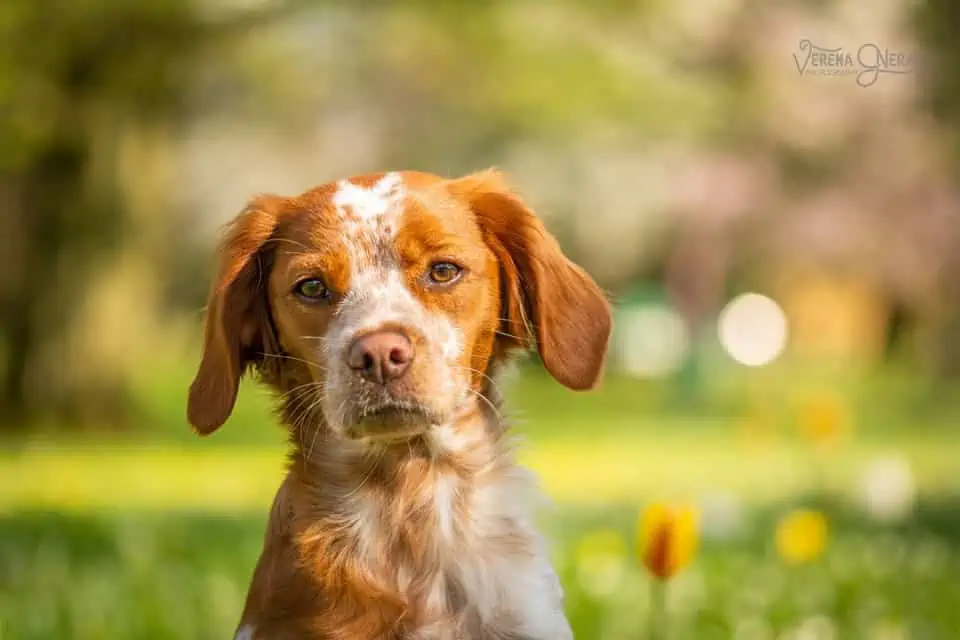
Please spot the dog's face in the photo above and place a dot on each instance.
(385, 300)
(391, 295)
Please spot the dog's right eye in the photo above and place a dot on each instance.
(312, 289)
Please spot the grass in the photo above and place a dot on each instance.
(154, 534)
(575, 471)
(183, 575)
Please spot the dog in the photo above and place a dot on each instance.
(381, 309)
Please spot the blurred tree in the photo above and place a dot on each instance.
(937, 22)
(672, 136)
(74, 76)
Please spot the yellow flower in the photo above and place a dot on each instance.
(667, 538)
(801, 536)
(824, 420)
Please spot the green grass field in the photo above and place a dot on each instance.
(154, 534)
(183, 575)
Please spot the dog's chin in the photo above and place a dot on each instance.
(393, 422)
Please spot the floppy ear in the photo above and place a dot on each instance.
(237, 318)
(544, 293)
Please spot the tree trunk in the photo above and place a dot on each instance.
(61, 236)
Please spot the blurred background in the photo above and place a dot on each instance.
(768, 190)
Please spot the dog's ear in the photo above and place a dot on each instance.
(237, 320)
(544, 293)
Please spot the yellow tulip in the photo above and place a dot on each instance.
(667, 538)
(801, 536)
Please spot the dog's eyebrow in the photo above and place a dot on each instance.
(429, 235)
(442, 246)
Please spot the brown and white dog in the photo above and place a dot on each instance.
(380, 308)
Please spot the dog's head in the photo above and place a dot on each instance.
(384, 301)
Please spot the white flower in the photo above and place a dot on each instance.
(888, 488)
(721, 516)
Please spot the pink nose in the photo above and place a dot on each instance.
(381, 357)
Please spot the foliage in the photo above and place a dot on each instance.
(78, 82)
(667, 140)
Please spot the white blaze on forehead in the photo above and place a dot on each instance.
(369, 216)
(378, 293)
(368, 207)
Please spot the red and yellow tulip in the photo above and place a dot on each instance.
(667, 538)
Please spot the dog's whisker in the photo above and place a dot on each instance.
(524, 323)
(300, 402)
(316, 430)
(300, 418)
(304, 403)
(284, 356)
(303, 398)
(313, 384)
(295, 404)
(493, 407)
(365, 477)
(306, 385)
(493, 382)
(295, 243)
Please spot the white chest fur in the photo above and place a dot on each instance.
(489, 566)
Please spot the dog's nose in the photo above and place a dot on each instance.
(381, 357)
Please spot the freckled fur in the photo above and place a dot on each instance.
(428, 537)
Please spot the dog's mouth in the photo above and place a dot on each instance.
(393, 421)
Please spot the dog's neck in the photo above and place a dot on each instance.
(393, 520)
(384, 481)
(379, 541)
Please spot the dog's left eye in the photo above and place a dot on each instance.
(312, 289)
(444, 272)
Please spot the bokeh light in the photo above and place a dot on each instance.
(753, 329)
(888, 488)
(824, 419)
(653, 341)
(801, 536)
(721, 515)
